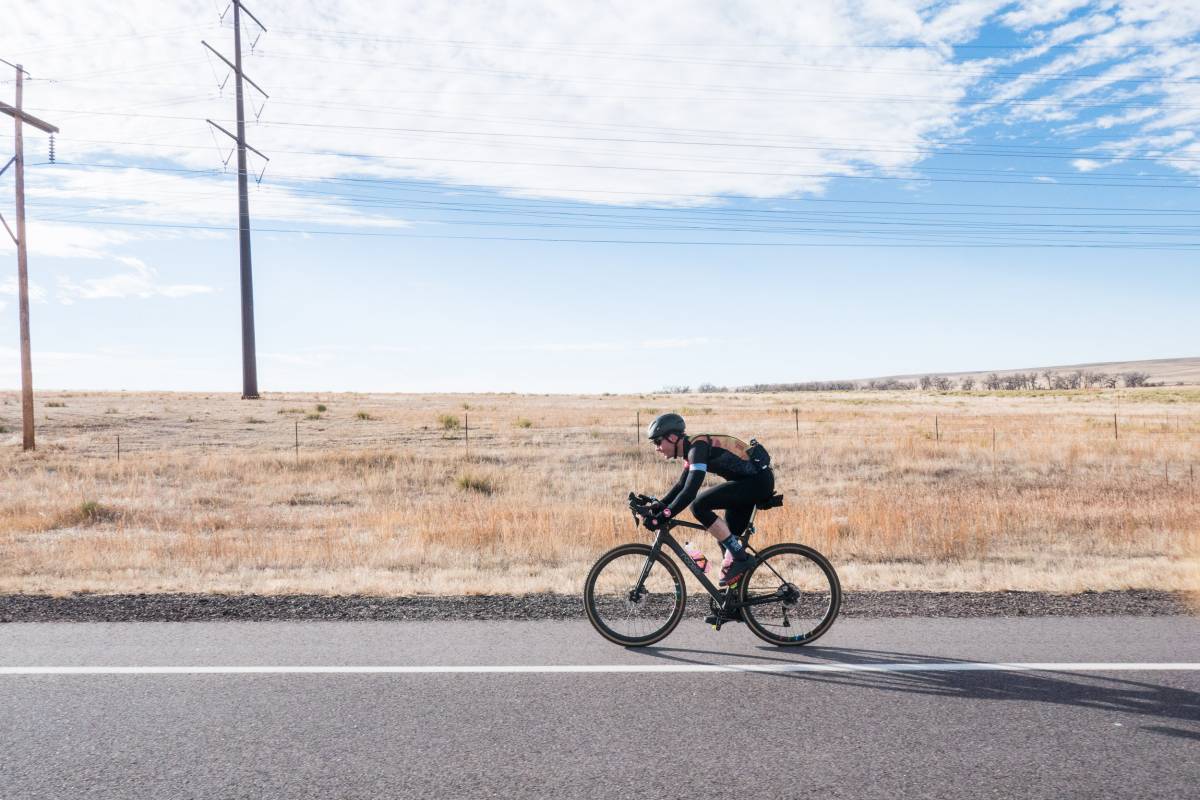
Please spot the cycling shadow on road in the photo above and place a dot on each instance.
(1087, 690)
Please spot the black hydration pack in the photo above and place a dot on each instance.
(757, 455)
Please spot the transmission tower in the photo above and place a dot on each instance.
(249, 360)
(20, 118)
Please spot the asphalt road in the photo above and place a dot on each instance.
(939, 727)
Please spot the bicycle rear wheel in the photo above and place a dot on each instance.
(792, 596)
(625, 614)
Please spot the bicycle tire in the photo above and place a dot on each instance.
(807, 587)
(613, 580)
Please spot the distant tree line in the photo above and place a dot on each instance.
(1049, 379)
(1013, 381)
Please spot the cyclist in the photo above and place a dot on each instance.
(746, 469)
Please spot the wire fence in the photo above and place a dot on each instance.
(474, 436)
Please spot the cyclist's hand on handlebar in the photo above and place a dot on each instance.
(644, 505)
(657, 521)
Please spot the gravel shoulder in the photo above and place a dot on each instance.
(259, 608)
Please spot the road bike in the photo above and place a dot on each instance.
(634, 595)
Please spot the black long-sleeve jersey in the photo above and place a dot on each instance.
(726, 456)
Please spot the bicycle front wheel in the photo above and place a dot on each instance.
(625, 612)
(792, 596)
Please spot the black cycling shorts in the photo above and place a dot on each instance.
(737, 498)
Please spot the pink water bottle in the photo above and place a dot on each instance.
(696, 555)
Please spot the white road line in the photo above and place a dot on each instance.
(955, 666)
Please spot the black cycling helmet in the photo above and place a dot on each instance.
(664, 425)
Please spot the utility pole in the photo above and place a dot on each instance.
(20, 118)
(249, 360)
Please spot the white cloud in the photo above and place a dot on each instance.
(139, 281)
(8, 286)
(960, 21)
(1041, 12)
(1136, 53)
(618, 103)
(140, 195)
(626, 102)
(1086, 164)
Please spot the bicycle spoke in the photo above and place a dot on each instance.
(792, 597)
(627, 612)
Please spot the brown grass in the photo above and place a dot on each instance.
(211, 493)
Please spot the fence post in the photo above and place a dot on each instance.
(937, 433)
(637, 429)
(994, 486)
(796, 412)
(1115, 435)
(297, 441)
(118, 449)
(467, 432)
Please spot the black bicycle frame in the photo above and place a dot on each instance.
(724, 596)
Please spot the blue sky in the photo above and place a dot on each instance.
(608, 197)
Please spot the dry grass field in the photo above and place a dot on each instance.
(385, 495)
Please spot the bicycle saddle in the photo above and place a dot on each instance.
(774, 501)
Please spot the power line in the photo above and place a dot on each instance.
(715, 90)
(706, 219)
(1188, 247)
(1149, 180)
(794, 96)
(858, 229)
(108, 39)
(750, 173)
(608, 52)
(999, 148)
(461, 188)
(778, 95)
(936, 146)
(937, 47)
(832, 172)
(763, 221)
(983, 151)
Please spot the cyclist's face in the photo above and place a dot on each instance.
(668, 445)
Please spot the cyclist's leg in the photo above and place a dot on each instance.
(737, 498)
(754, 489)
(706, 504)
